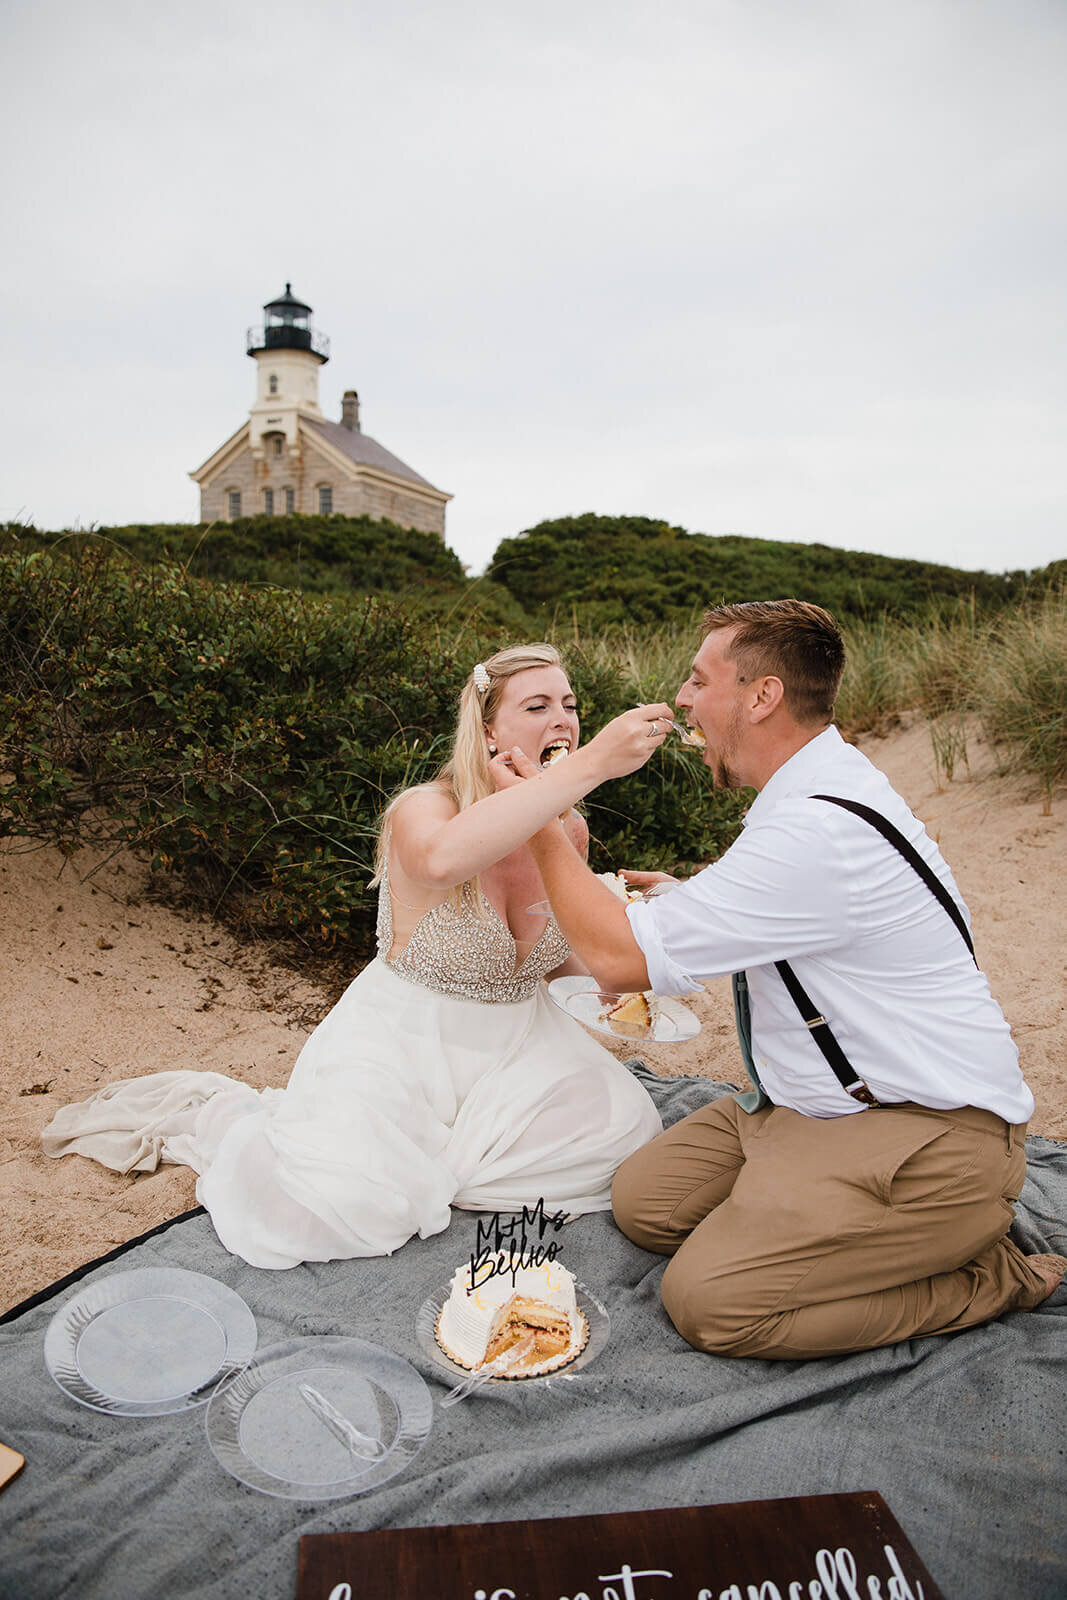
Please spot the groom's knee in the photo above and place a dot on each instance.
(636, 1210)
(710, 1314)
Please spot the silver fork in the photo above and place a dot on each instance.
(480, 1375)
(687, 735)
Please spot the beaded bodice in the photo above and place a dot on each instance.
(454, 951)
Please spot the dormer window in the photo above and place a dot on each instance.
(272, 383)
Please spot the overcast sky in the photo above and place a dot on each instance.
(786, 268)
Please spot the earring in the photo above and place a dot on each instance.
(492, 749)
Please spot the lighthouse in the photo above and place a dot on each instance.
(289, 459)
(288, 353)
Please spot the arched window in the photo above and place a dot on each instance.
(279, 444)
(272, 383)
(233, 502)
(325, 500)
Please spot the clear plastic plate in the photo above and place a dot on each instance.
(149, 1342)
(263, 1430)
(583, 999)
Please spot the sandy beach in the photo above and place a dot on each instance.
(100, 982)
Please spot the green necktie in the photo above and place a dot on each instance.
(756, 1098)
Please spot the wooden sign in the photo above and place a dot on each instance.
(814, 1547)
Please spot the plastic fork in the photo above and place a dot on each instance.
(495, 1369)
(360, 1444)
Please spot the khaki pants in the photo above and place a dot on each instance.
(798, 1236)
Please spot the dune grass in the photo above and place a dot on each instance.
(1008, 670)
(957, 661)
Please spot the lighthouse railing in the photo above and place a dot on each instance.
(285, 336)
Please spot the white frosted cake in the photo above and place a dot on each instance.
(536, 1304)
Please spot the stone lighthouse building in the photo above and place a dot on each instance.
(288, 458)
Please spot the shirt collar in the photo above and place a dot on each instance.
(801, 774)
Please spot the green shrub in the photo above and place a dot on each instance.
(308, 554)
(618, 571)
(248, 738)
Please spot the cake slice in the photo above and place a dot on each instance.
(522, 1318)
(632, 1016)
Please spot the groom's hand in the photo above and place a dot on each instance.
(645, 880)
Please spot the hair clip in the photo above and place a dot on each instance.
(480, 676)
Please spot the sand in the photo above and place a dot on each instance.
(99, 982)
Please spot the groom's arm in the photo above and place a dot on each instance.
(593, 920)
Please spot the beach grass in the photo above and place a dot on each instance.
(954, 663)
(1008, 670)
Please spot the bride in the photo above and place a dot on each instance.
(444, 1076)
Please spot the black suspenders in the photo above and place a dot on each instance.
(813, 1019)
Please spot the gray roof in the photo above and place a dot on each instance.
(360, 447)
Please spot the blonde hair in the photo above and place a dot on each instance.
(465, 775)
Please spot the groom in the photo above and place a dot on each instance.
(862, 1192)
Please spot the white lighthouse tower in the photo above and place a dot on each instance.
(288, 353)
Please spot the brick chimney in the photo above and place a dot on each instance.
(350, 410)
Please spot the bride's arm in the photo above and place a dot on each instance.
(439, 847)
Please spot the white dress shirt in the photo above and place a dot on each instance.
(814, 885)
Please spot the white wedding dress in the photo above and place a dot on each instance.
(443, 1077)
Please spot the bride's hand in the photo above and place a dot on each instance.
(626, 743)
(511, 768)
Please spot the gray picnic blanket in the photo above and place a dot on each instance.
(962, 1434)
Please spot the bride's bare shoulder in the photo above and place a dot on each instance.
(430, 803)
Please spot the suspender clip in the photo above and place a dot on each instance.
(859, 1091)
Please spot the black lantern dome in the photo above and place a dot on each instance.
(287, 326)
